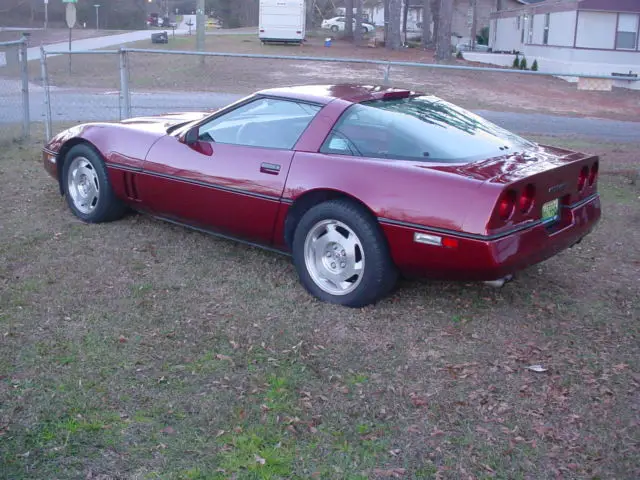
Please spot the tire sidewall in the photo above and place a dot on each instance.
(376, 256)
(104, 197)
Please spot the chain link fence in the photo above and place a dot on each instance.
(14, 91)
(110, 85)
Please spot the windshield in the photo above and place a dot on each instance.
(423, 128)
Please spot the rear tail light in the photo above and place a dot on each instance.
(582, 178)
(262, 30)
(593, 174)
(526, 198)
(507, 204)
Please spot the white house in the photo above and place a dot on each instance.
(572, 36)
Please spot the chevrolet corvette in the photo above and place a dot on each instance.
(359, 184)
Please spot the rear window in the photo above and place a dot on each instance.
(423, 128)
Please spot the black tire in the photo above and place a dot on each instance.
(379, 274)
(106, 207)
(334, 28)
(365, 30)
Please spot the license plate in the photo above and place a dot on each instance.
(550, 210)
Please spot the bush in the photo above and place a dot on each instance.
(534, 66)
(523, 64)
(516, 62)
(459, 55)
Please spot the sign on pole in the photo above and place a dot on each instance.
(71, 15)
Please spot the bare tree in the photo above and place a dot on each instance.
(435, 13)
(426, 23)
(357, 35)
(386, 20)
(443, 40)
(348, 24)
(405, 17)
(394, 40)
(474, 22)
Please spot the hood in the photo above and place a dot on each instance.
(160, 123)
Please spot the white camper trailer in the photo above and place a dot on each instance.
(282, 21)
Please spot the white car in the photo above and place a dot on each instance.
(337, 24)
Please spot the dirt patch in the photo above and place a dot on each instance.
(476, 90)
(138, 349)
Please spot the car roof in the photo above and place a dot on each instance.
(324, 94)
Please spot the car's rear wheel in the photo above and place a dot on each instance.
(365, 30)
(87, 188)
(334, 28)
(341, 254)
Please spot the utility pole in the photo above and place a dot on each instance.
(200, 28)
(46, 13)
(97, 16)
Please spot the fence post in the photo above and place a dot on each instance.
(24, 74)
(387, 70)
(47, 96)
(125, 95)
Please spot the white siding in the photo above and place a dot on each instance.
(596, 30)
(507, 34)
(538, 29)
(562, 28)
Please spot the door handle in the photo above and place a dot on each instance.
(270, 168)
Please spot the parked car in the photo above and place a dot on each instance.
(357, 183)
(466, 47)
(337, 24)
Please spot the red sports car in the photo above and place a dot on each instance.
(358, 183)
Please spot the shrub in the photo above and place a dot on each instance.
(516, 62)
(459, 55)
(534, 66)
(523, 63)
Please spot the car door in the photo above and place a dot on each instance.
(232, 179)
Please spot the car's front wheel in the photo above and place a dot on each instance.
(341, 254)
(334, 28)
(87, 188)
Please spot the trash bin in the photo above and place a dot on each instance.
(327, 42)
(161, 37)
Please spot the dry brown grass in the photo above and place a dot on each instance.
(497, 91)
(138, 349)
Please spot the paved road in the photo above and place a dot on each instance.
(70, 106)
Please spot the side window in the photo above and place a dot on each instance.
(265, 122)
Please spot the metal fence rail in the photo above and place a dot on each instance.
(191, 80)
(14, 90)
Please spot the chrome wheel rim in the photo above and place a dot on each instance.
(334, 257)
(84, 188)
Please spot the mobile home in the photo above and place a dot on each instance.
(282, 21)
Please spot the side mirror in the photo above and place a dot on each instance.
(191, 137)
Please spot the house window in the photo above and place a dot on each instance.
(545, 36)
(627, 33)
(524, 27)
(518, 22)
(530, 40)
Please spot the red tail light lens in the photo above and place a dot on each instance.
(593, 174)
(582, 178)
(527, 197)
(507, 204)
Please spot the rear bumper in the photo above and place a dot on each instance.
(491, 259)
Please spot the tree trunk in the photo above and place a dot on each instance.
(357, 35)
(443, 41)
(405, 17)
(474, 23)
(498, 5)
(435, 12)
(394, 42)
(348, 24)
(426, 23)
(386, 21)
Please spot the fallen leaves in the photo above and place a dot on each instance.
(389, 473)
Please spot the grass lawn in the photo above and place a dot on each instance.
(138, 349)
